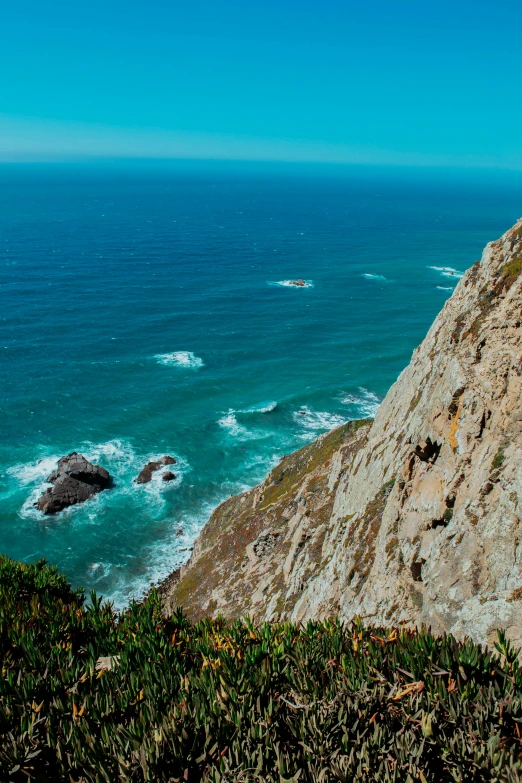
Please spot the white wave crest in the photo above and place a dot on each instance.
(445, 288)
(186, 359)
(366, 402)
(236, 430)
(447, 271)
(292, 283)
(229, 423)
(119, 454)
(317, 421)
(267, 407)
(31, 472)
(369, 276)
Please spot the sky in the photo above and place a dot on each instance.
(410, 82)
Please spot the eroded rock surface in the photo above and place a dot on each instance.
(415, 517)
(75, 480)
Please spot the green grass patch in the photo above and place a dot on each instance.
(90, 695)
(498, 459)
(292, 469)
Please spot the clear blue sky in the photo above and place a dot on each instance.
(390, 81)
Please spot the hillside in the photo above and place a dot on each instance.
(412, 517)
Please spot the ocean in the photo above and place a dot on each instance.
(145, 310)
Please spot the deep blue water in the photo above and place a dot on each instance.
(140, 314)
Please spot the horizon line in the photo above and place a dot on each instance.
(118, 160)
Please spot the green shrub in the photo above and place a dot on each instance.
(90, 695)
(498, 459)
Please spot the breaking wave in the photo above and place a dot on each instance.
(366, 403)
(291, 283)
(369, 276)
(262, 408)
(186, 359)
(316, 421)
(230, 424)
(447, 271)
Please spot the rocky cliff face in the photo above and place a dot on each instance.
(415, 517)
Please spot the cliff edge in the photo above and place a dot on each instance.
(413, 517)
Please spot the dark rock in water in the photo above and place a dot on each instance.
(299, 283)
(168, 475)
(76, 466)
(145, 475)
(75, 480)
(66, 492)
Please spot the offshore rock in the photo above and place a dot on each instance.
(145, 475)
(413, 518)
(75, 480)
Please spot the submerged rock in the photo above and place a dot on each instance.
(75, 480)
(145, 474)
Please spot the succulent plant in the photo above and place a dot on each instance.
(91, 695)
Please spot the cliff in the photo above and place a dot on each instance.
(412, 517)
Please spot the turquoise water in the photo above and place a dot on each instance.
(142, 313)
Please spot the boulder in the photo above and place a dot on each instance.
(78, 467)
(145, 474)
(75, 480)
(168, 475)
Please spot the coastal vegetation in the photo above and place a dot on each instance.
(87, 694)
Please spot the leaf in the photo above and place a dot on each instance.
(413, 687)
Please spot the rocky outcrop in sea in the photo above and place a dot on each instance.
(75, 480)
(145, 475)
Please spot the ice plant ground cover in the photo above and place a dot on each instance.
(87, 694)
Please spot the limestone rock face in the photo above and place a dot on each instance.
(415, 517)
(75, 480)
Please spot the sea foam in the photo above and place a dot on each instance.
(369, 276)
(366, 402)
(265, 407)
(184, 359)
(118, 457)
(291, 283)
(447, 271)
(230, 424)
(316, 421)
(31, 472)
